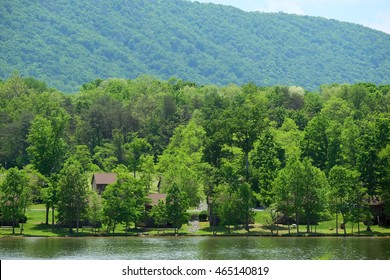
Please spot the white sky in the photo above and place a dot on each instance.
(371, 13)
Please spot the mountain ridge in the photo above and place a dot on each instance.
(68, 43)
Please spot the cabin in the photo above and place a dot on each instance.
(377, 207)
(101, 180)
(153, 198)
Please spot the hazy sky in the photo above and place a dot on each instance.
(371, 13)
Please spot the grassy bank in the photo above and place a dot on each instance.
(35, 226)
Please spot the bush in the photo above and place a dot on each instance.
(203, 216)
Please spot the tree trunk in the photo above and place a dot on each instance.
(13, 225)
(47, 214)
(78, 221)
(337, 223)
(308, 225)
(345, 226)
(52, 217)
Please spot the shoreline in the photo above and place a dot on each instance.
(184, 235)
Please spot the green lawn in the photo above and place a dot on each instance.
(36, 226)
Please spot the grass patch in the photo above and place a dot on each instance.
(36, 226)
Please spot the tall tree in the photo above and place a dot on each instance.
(177, 206)
(13, 196)
(47, 146)
(137, 148)
(247, 119)
(315, 141)
(344, 186)
(181, 163)
(314, 195)
(265, 166)
(72, 194)
(288, 191)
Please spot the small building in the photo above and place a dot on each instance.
(154, 198)
(101, 180)
(377, 208)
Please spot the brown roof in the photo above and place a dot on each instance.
(104, 178)
(155, 197)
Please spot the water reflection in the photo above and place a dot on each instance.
(186, 248)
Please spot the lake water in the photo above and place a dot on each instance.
(196, 248)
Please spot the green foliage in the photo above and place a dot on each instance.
(47, 147)
(159, 214)
(346, 196)
(300, 191)
(265, 166)
(13, 197)
(124, 202)
(233, 205)
(72, 194)
(223, 143)
(177, 206)
(181, 163)
(68, 44)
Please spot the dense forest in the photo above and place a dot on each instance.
(68, 43)
(308, 155)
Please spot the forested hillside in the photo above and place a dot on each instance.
(308, 155)
(68, 43)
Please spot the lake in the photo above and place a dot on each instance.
(196, 248)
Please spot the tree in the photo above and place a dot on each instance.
(47, 147)
(177, 206)
(224, 206)
(245, 203)
(265, 166)
(384, 192)
(135, 150)
(72, 194)
(344, 187)
(315, 141)
(246, 120)
(124, 202)
(94, 211)
(300, 192)
(13, 196)
(314, 195)
(271, 217)
(350, 135)
(49, 197)
(283, 193)
(289, 137)
(233, 205)
(181, 163)
(159, 214)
